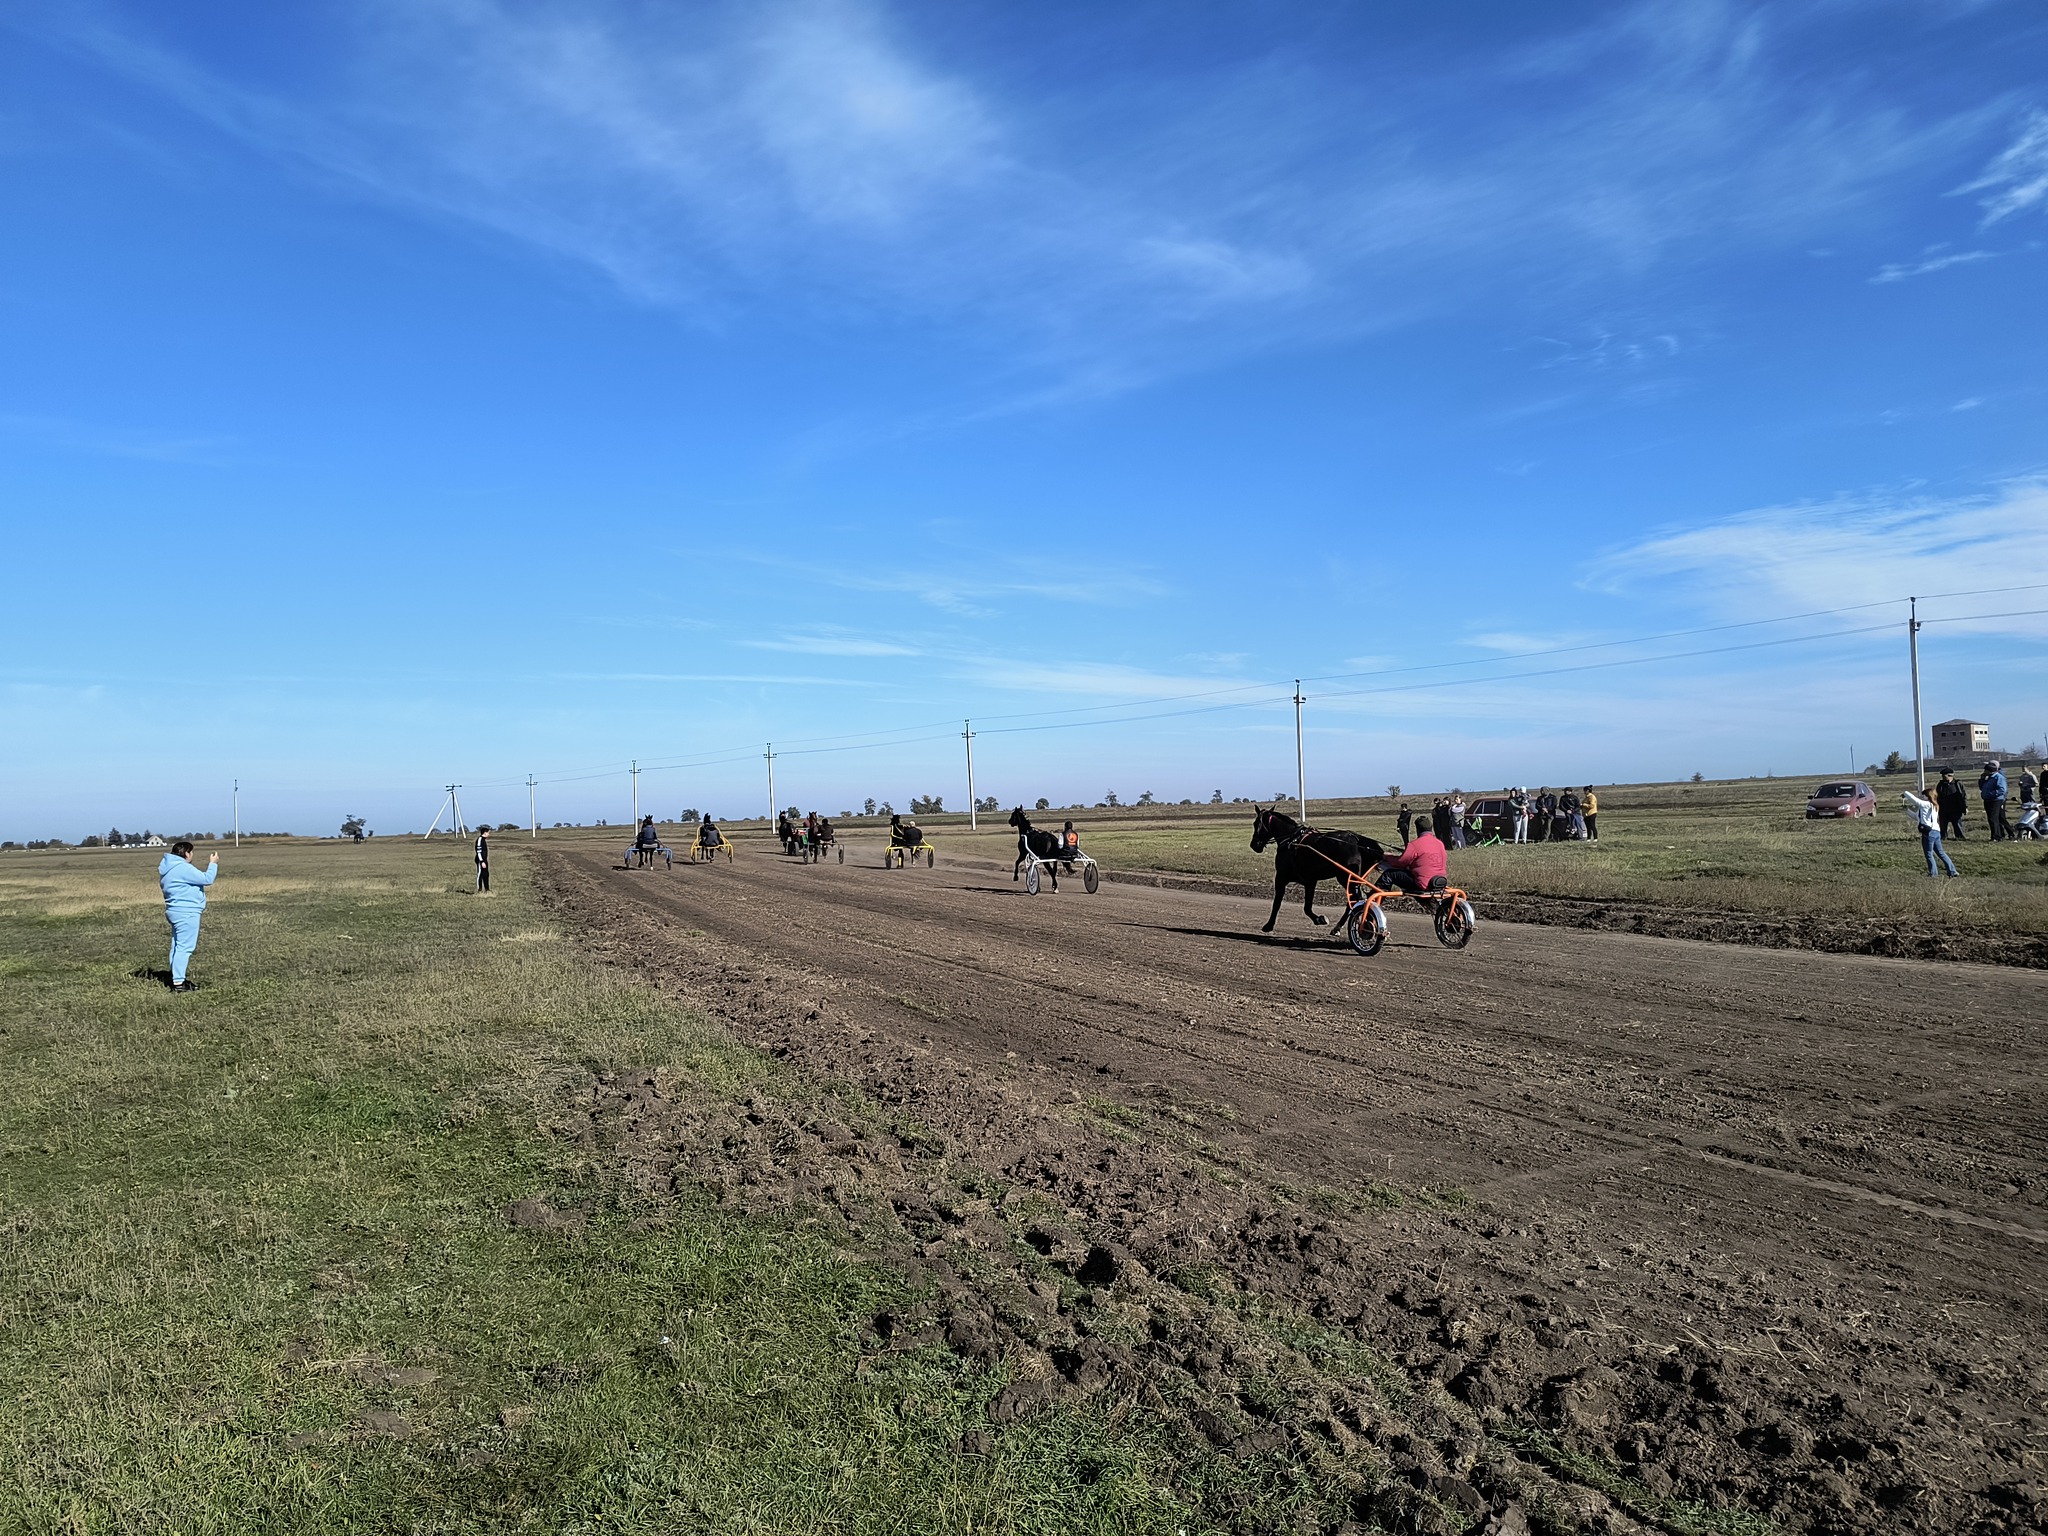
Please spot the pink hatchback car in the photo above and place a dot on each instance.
(1844, 797)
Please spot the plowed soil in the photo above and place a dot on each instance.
(1714, 1229)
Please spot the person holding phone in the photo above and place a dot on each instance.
(184, 900)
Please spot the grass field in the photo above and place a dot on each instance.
(1739, 846)
(257, 1270)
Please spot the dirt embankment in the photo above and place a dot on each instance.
(1608, 1235)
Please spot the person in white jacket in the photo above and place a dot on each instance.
(1920, 811)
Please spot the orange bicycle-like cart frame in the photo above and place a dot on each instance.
(1364, 923)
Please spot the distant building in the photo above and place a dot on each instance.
(1961, 738)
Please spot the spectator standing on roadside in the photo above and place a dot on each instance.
(1920, 811)
(1403, 821)
(1952, 802)
(1568, 813)
(1991, 790)
(1457, 839)
(2028, 785)
(1589, 807)
(1539, 818)
(184, 899)
(1518, 807)
(483, 861)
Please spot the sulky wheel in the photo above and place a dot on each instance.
(1454, 923)
(842, 855)
(1031, 880)
(1366, 928)
(931, 858)
(1090, 879)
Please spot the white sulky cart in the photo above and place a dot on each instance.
(1091, 877)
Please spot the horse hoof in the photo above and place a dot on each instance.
(1320, 922)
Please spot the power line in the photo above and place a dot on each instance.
(1278, 692)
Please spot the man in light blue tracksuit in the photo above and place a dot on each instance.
(184, 899)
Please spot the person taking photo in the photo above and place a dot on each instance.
(184, 885)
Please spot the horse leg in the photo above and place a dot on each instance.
(1020, 861)
(1279, 895)
(1308, 905)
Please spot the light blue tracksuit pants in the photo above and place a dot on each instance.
(184, 939)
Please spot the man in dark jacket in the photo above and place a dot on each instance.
(483, 861)
(1952, 802)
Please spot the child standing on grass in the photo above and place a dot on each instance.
(483, 861)
(184, 899)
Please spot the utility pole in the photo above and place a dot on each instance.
(1913, 646)
(532, 821)
(238, 813)
(1300, 772)
(973, 805)
(771, 783)
(455, 799)
(636, 791)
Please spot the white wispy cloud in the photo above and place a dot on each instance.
(817, 151)
(1515, 643)
(833, 645)
(1899, 271)
(1098, 679)
(935, 578)
(117, 442)
(780, 679)
(2017, 178)
(1857, 550)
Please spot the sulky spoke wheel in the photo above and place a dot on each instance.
(1366, 927)
(1454, 923)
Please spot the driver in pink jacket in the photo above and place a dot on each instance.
(1422, 861)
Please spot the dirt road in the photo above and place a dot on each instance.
(1753, 1228)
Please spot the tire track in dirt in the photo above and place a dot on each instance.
(1685, 1141)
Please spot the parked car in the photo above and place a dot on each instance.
(1844, 797)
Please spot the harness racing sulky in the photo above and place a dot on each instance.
(1046, 851)
(1305, 856)
(710, 843)
(819, 840)
(906, 842)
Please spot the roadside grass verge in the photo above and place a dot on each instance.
(256, 1271)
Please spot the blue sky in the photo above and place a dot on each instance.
(418, 390)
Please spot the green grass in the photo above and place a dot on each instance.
(255, 1272)
(1740, 846)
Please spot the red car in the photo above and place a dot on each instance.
(1845, 797)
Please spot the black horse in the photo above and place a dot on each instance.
(1029, 840)
(1302, 856)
